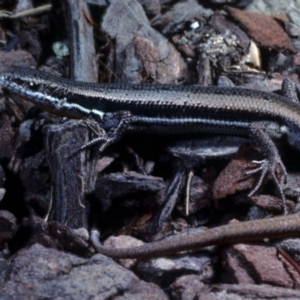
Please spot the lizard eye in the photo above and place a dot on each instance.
(33, 85)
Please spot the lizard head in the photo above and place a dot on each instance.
(46, 91)
(38, 87)
(25, 79)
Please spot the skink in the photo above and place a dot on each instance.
(170, 109)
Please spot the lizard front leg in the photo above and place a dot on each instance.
(120, 121)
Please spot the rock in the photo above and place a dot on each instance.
(42, 273)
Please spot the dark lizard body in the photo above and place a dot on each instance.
(189, 108)
(170, 109)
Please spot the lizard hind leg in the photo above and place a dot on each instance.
(260, 132)
(290, 90)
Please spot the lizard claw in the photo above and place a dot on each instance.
(262, 169)
(270, 166)
(101, 135)
(99, 139)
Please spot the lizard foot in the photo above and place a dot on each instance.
(122, 120)
(101, 135)
(276, 169)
